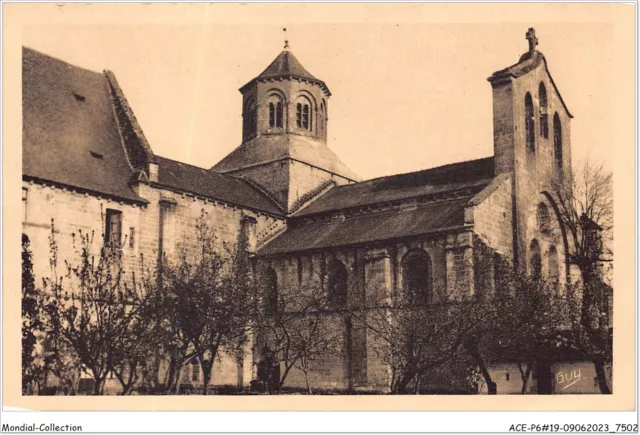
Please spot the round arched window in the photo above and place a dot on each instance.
(416, 267)
(304, 114)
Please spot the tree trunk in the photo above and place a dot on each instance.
(525, 375)
(168, 384)
(401, 385)
(589, 297)
(206, 376)
(472, 348)
(597, 329)
(306, 380)
(281, 379)
(598, 364)
(98, 385)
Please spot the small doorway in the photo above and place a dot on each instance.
(545, 378)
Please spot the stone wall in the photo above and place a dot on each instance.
(491, 213)
(533, 172)
(570, 377)
(375, 275)
(73, 212)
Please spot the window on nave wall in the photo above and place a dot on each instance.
(416, 272)
(337, 283)
(113, 227)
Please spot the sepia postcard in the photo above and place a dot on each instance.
(317, 206)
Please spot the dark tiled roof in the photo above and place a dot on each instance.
(528, 62)
(471, 174)
(287, 65)
(209, 184)
(69, 132)
(284, 65)
(369, 228)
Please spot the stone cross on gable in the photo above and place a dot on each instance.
(533, 41)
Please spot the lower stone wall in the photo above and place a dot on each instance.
(578, 377)
(225, 373)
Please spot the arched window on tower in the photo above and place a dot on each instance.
(249, 120)
(554, 270)
(271, 292)
(544, 117)
(279, 114)
(416, 272)
(535, 260)
(544, 218)
(276, 108)
(337, 284)
(557, 142)
(272, 115)
(529, 124)
(304, 114)
(321, 120)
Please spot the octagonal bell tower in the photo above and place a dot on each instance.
(284, 135)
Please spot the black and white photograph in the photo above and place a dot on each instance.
(340, 208)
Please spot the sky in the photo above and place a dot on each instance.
(408, 92)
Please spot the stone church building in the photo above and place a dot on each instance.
(87, 165)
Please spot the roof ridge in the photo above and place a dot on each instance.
(188, 164)
(139, 156)
(528, 62)
(57, 59)
(418, 171)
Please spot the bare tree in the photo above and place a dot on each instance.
(519, 319)
(134, 348)
(584, 204)
(298, 327)
(415, 340)
(32, 325)
(90, 312)
(530, 324)
(207, 298)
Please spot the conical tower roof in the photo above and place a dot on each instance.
(287, 66)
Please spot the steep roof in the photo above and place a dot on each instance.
(69, 132)
(285, 66)
(456, 176)
(369, 228)
(210, 184)
(528, 62)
